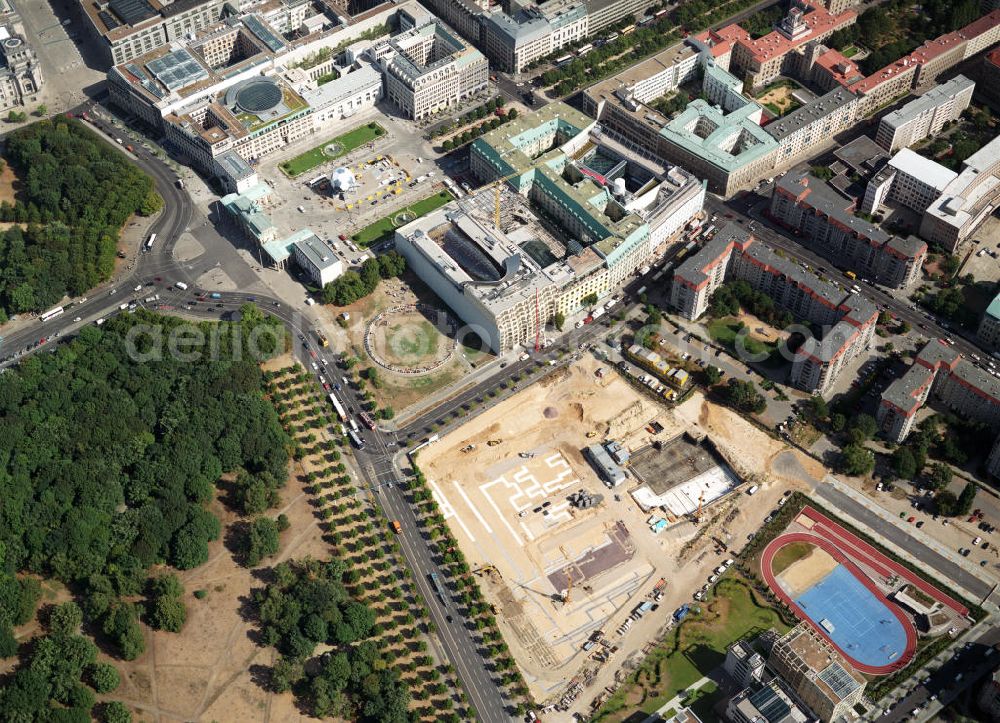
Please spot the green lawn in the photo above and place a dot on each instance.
(383, 228)
(725, 331)
(348, 142)
(850, 51)
(694, 648)
(789, 554)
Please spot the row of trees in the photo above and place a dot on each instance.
(473, 133)
(473, 115)
(75, 195)
(351, 285)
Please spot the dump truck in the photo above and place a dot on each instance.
(396, 527)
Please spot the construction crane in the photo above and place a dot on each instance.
(701, 501)
(569, 587)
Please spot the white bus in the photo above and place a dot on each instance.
(560, 61)
(51, 314)
(150, 240)
(584, 50)
(338, 407)
(354, 426)
(356, 440)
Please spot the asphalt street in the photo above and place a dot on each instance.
(963, 667)
(946, 569)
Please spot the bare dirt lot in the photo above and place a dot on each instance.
(503, 482)
(8, 184)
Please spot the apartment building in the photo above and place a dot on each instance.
(925, 116)
(910, 180)
(831, 70)
(988, 78)
(826, 223)
(941, 372)
(848, 319)
(926, 63)
(817, 673)
(428, 69)
(764, 59)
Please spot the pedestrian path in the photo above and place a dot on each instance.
(677, 702)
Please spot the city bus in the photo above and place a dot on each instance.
(628, 30)
(367, 420)
(150, 240)
(355, 439)
(562, 60)
(584, 50)
(851, 275)
(51, 314)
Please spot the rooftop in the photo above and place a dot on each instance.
(825, 105)
(863, 155)
(923, 169)
(644, 71)
(693, 269)
(833, 676)
(818, 21)
(843, 70)
(931, 99)
(728, 141)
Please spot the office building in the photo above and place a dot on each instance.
(609, 471)
(428, 69)
(315, 258)
(817, 673)
(825, 222)
(743, 664)
(763, 59)
(602, 13)
(128, 29)
(910, 180)
(604, 213)
(770, 703)
(925, 116)
(848, 319)
(989, 326)
(513, 41)
(238, 87)
(966, 201)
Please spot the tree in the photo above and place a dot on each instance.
(42, 110)
(818, 408)
(589, 300)
(946, 503)
(166, 606)
(863, 427)
(745, 397)
(838, 422)
(65, 619)
(115, 712)
(856, 460)
(262, 540)
(103, 677)
(939, 477)
(712, 375)
(152, 203)
(558, 320)
(904, 464)
(967, 498)
(121, 625)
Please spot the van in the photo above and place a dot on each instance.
(753, 489)
(301, 209)
(181, 285)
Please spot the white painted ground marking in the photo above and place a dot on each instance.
(447, 511)
(472, 507)
(527, 532)
(484, 488)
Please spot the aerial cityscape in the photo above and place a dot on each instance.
(625, 361)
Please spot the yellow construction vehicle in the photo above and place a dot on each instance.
(493, 442)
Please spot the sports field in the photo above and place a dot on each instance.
(841, 585)
(383, 228)
(332, 148)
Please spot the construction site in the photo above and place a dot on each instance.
(571, 561)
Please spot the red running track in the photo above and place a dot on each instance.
(862, 550)
(767, 557)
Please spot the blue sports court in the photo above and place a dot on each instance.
(855, 619)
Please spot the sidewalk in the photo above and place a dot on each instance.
(677, 702)
(921, 536)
